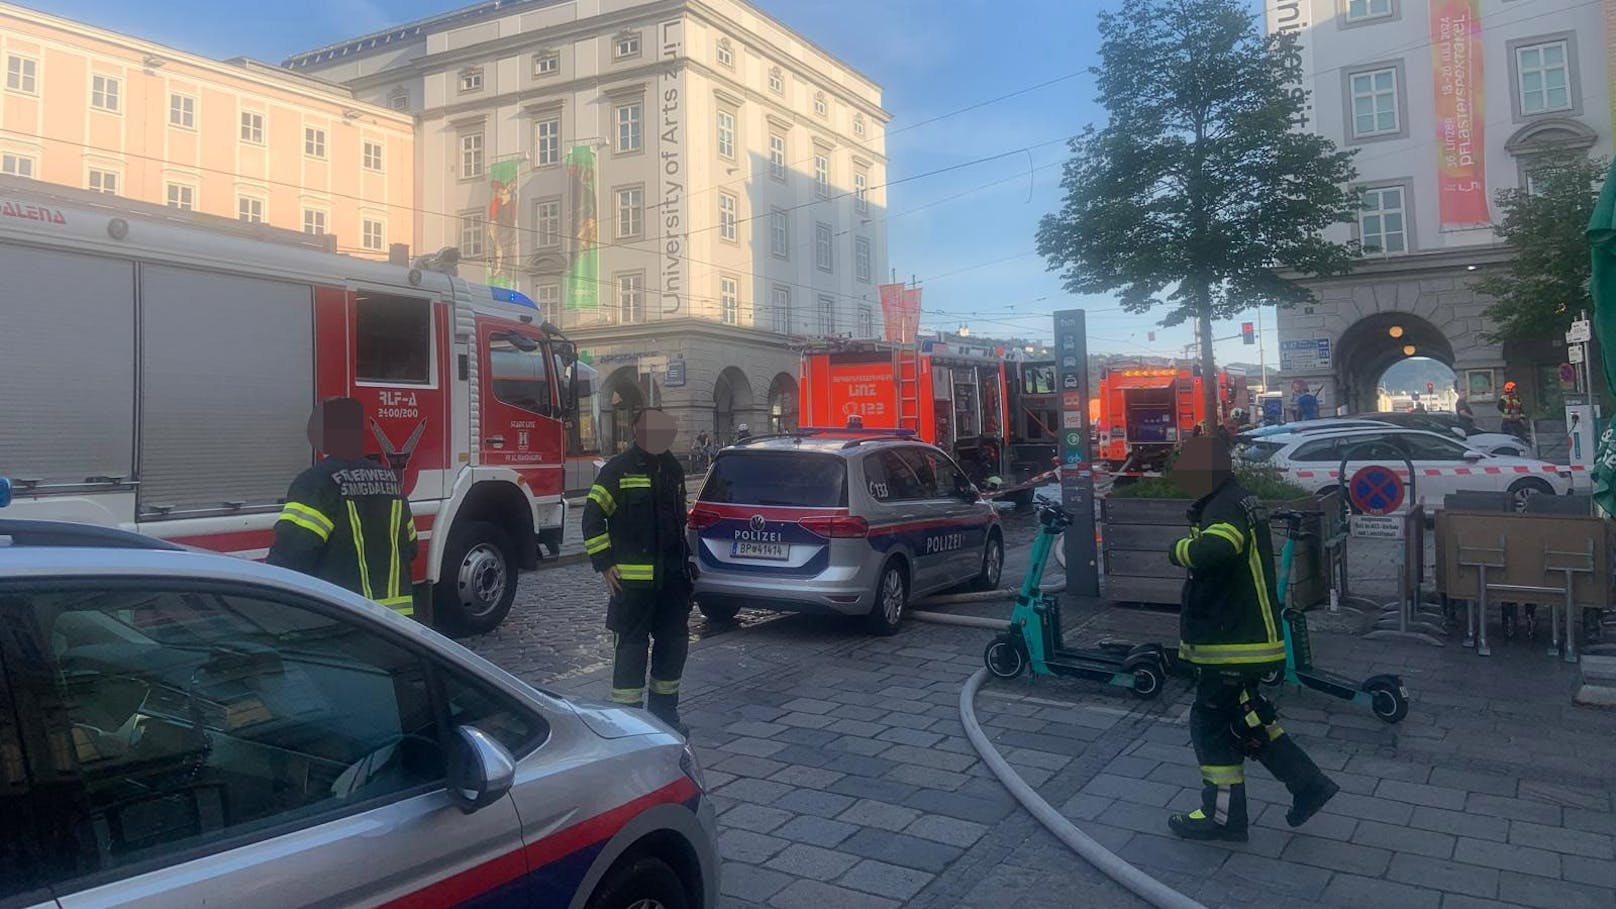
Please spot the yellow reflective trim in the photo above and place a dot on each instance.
(309, 512)
(630, 572)
(298, 520)
(628, 695)
(359, 548)
(1275, 732)
(1229, 532)
(634, 481)
(392, 545)
(1232, 654)
(660, 687)
(601, 497)
(596, 545)
(1198, 815)
(410, 526)
(1223, 774)
(403, 605)
(1181, 551)
(1260, 579)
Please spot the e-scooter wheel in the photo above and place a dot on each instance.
(1387, 699)
(1004, 657)
(1147, 682)
(1272, 677)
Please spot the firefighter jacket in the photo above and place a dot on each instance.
(1509, 404)
(348, 522)
(634, 518)
(1230, 615)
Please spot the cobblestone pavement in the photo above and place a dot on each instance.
(843, 777)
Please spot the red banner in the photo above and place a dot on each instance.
(900, 309)
(1456, 65)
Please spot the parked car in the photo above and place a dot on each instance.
(847, 522)
(1498, 443)
(186, 730)
(1310, 457)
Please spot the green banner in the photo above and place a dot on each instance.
(504, 249)
(1602, 286)
(582, 290)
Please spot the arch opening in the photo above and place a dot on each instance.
(783, 403)
(732, 404)
(1375, 345)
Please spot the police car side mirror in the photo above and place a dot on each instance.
(481, 771)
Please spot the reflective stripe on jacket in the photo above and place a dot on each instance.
(1231, 609)
(634, 516)
(348, 522)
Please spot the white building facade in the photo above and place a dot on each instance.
(1447, 102)
(685, 186)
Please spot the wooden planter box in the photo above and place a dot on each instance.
(1138, 532)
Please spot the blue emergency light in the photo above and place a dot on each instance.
(5, 492)
(506, 295)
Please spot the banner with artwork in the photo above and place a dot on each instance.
(503, 248)
(582, 288)
(900, 310)
(1456, 65)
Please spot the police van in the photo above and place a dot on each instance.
(839, 521)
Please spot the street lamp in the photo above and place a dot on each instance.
(1395, 331)
(1408, 350)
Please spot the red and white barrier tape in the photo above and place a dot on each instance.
(1448, 471)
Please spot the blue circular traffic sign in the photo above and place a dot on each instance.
(1376, 489)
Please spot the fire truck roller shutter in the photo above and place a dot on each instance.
(227, 380)
(67, 367)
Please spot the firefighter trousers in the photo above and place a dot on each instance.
(652, 626)
(1221, 699)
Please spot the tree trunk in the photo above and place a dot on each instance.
(1209, 366)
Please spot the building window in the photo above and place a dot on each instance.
(371, 234)
(104, 181)
(181, 197)
(821, 106)
(726, 134)
(861, 258)
(726, 56)
(827, 314)
(314, 222)
(313, 142)
(630, 127)
(546, 63)
(866, 322)
(22, 75)
(1543, 77)
(104, 94)
(781, 306)
(777, 80)
(729, 301)
(182, 111)
(252, 127)
(824, 259)
(861, 193)
(1374, 103)
(250, 210)
(471, 79)
(547, 223)
(399, 98)
(472, 229)
(1382, 225)
(726, 217)
(547, 142)
(627, 45)
(17, 166)
(822, 176)
(859, 126)
(1359, 10)
(471, 156)
(777, 157)
(548, 296)
(373, 156)
(631, 298)
(780, 233)
(1534, 183)
(630, 212)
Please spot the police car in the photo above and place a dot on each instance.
(182, 730)
(845, 522)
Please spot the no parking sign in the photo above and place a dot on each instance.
(1376, 489)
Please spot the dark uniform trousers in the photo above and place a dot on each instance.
(1222, 700)
(651, 625)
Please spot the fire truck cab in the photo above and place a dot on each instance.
(1145, 411)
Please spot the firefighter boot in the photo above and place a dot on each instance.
(665, 707)
(1222, 815)
(1309, 787)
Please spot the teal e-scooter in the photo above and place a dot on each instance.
(1034, 639)
(1384, 695)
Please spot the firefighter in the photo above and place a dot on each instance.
(346, 519)
(633, 528)
(1229, 627)
(1513, 412)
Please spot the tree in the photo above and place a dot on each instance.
(1198, 192)
(1538, 294)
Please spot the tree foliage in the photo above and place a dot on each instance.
(1543, 287)
(1197, 192)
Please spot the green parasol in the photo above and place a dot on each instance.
(1602, 287)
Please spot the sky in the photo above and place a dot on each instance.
(967, 235)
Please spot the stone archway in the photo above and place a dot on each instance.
(732, 404)
(783, 403)
(1372, 344)
(621, 397)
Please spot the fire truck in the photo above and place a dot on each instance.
(953, 396)
(1146, 410)
(159, 370)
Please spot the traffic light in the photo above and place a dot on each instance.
(1430, 388)
(1248, 333)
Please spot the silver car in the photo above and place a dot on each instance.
(855, 523)
(181, 730)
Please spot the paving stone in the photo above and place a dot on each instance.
(809, 705)
(749, 766)
(859, 765)
(1145, 792)
(1301, 882)
(807, 777)
(1458, 823)
(952, 831)
(1599, 872)
(856, 727)
(1423, 794)
(814, 802)
(1565, 796)
(806, 720)
(1085, 806)
(941, 760)
(929, 777)
(815, 831)
(882, 815)
(858, 744)
(1384, 769)
(1134, 816)
(1474, 781)
(1460, 901)
(754, 747)
(1323, 825)
(855, 712)
(749, 847)
(901, 849)
(1337, 856)
(915, 737)
(1130, 766)
(761, 792)
(751, 883)
(1449, 877)
(757, 729)
(1404, 839)
(909, 720)
(1043, 760)
(757, 818)
(1371, 808)
(1559, 839)
(814, 862)
(1352, 890)
(1173, 854)
(818, 895)
(1514, 809)
(860, 787)
(1529, 890)
(796, 735)
(1513, 858)
(882, 879)
(1591, 821)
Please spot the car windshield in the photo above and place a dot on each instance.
(1258, 451)
(791, 479)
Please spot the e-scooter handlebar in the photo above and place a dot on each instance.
(1293, 522)
(1051, 514)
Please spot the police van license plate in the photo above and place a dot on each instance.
(744, 549)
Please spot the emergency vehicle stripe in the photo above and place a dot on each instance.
(392, 539)
(359, 548)
(597, 545)
(309, 519)
(634, 481)
(630, 571)
(599, 495)
(1223, 774)
(1229, 532)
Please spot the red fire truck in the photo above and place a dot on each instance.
(953, 396)
(1146, 410)
(159, 370)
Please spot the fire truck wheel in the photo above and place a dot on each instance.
(478, 580)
